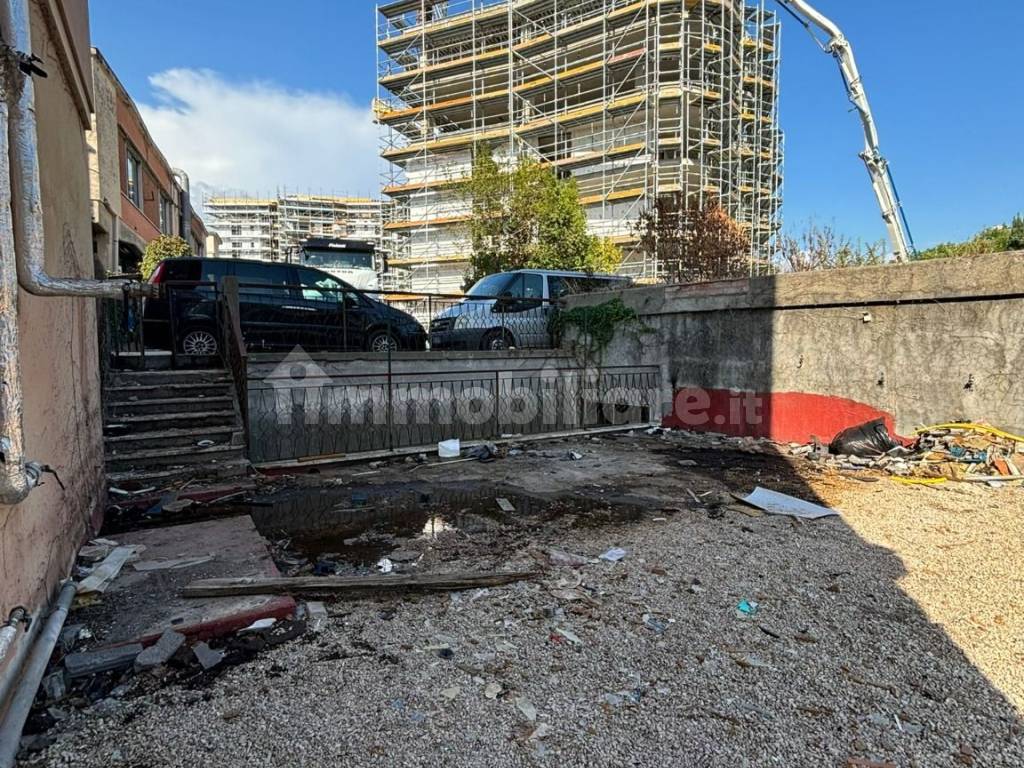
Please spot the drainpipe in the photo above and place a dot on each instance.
(184, 205)
(22, 245)
(21, 703)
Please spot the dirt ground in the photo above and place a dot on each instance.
(891, 635)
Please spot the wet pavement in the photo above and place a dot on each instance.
(359, 526)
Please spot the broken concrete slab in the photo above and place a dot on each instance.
(161, 651)
(142, 604)
(207, 657)
(87, 663)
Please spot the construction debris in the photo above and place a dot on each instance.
(337, 584)
(953, 452)
(101, 660)
(775, 503)
(160, 652)
(107, 571)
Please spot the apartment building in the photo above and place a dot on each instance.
(634, 99)
(271, 229)
(136, 195)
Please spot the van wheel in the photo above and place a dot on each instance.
(382, 341)
(497, 339)
(200, 342)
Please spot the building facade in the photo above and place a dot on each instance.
(271, 229)
(57, 336)
(634, 99)
(136, 194)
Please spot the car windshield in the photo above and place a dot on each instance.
(492, 285)
(331, 258)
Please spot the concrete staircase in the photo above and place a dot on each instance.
(165, 427)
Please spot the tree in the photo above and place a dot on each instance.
(693, 243)
(822, 248)
(990, 240)
(164, 247)
(526, 216)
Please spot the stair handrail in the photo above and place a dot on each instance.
(236, 356)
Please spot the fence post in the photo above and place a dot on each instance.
(391, 400)
(172, 321)
(230, 295)
(497, 404)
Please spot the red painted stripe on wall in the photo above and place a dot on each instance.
(781, 416)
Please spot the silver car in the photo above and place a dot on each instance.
(512, 309)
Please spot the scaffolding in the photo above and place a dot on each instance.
(272, 229)
(248, 226)
(634, 99)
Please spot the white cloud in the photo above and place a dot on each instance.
(257, 137)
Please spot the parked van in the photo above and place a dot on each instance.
(512, 309)
(280, 306)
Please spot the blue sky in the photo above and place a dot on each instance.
(286, 97)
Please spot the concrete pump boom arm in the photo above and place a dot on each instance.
(878, 167)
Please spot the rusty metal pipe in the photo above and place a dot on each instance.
(14, 478)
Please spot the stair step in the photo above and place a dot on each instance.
(147, 391)
(164, 457)
(157, 405)
(187, 376)
(231, 468)
(173, 438)
(178, 420)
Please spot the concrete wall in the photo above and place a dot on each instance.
(39, 537)
(807, 354)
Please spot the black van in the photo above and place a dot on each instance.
(280, 306)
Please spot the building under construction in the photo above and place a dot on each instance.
(633, 99)
(271, 229)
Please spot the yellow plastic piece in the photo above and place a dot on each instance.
(920, 480)
(974, 427)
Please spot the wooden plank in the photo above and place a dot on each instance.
(283, 585)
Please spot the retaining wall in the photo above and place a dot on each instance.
(800, 355)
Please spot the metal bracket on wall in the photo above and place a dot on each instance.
(28, 63)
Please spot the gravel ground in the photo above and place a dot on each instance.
(891, 634)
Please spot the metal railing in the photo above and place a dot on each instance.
(186, 322)
(301, 413)
(236, 356)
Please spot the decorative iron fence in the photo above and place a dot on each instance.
(301, 413)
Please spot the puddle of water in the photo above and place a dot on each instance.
(359, 526)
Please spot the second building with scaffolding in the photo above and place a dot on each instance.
(633, 99)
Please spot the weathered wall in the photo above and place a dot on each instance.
(807, 354)
(39, 537)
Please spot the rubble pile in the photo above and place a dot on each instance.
(959, 451)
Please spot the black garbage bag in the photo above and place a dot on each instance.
(867, 440)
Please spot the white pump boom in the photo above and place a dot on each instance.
(878, 167)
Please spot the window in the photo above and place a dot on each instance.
(252, 278)
(557, 287)
(236, 230)
(317, 286)
(133, 174)
(531, 287)
(166, 214)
